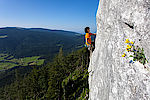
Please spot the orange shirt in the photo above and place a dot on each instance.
(88, 36)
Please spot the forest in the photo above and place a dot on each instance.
(63, 78)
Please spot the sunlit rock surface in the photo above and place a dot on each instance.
(111, 76)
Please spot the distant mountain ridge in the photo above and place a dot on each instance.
(22, 42)
(37, 29)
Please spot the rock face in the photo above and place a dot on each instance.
(112, 77)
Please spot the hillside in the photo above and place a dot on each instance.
(66, 78)
(22, 48)
(22, 42)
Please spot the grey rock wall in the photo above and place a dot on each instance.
(111, 76)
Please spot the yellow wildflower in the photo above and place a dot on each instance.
(132, 42)
(124, 55)
(129, 47)
(127, 41)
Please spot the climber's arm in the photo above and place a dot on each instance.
(93, 33)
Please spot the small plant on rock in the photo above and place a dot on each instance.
(138, 53)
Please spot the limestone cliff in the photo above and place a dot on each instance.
(112, 77)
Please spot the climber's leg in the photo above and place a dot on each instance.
(90, 50)
(93, 46)
(88, 56)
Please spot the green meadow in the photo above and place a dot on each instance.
(5, 36)
(7, 61)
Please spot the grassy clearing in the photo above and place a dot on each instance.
(20, 62)
(40, 62)
(7, 65)
(2, 56)
(33, 60)
(5, 36)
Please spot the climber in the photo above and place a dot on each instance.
(88, 41)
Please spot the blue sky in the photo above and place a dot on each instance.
(71, 15)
